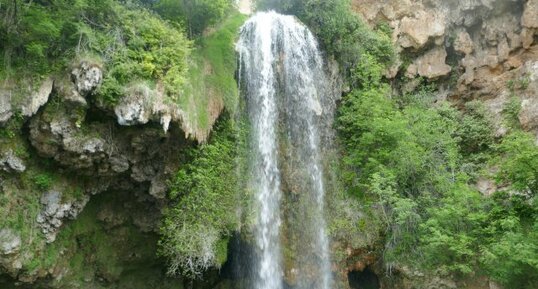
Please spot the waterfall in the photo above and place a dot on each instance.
(285, 86)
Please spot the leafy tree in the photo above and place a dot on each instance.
(197, 15)
(518, 164)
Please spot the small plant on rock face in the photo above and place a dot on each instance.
(511, 112)
(43, 181)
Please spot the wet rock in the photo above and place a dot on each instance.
(432, 64)
(86, 77)
(11, 163)
(158, 187)
(37, 99)
(55, 211)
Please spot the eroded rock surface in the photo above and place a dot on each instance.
(55, 211)
(9, 162)
(87, 77)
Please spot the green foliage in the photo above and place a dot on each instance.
(453, 233)
(205, 196)
(197, 15)
(132, 43)
(210, 81)
(518, 164)
(510, 251)
(511, 112)
(413, 161)
(475, 130)
(43, 181)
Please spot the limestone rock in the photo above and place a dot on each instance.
(432, 64)
(136, 107)
(38, 99)
(416, 31)
(464, 43)
(54, 211)
(503, 49)
(5, 107)
(486, 186)
(10, 242)
(86, 77)
(528, 116)
(67, 90)
(10, 162)
(143, 104)
(529, 18)
(527, 37)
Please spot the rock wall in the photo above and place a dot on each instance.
(485, 50)
(474, 49)
(59, 150)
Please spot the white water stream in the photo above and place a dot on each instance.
(282, 76)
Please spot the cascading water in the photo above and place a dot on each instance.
(282, 76)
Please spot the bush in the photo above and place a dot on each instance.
(340, 31)
(196, 15)
(43, 181)
(133, 43)
(205, 195)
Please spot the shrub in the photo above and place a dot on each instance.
(43, 181)
(205, 195)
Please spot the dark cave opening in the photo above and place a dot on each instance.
(363, 280)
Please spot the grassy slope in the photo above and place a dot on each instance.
(210, 84)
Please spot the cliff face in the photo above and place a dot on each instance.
(485, 50)
(82, 186)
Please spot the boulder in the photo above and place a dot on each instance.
(136, 107)
(432, 63)
(38, 98)
(5, 107)
(86, 76)
(416, 31)
(10, 242)
(55, 210)
(69, 93)
(464, 43)
(11, 163)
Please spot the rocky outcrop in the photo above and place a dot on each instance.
(10, 245)
(37, 99)
(9, 162)
(430, 65)
(10, 242)
(483, 50)
(473, 49)
(55, 211)
(5, 107)
(86, 76)
(416, 31)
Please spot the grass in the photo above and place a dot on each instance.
(211, 81)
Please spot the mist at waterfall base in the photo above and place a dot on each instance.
(289, 109)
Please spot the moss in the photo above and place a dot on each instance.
(88, 249)
(211, 81)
